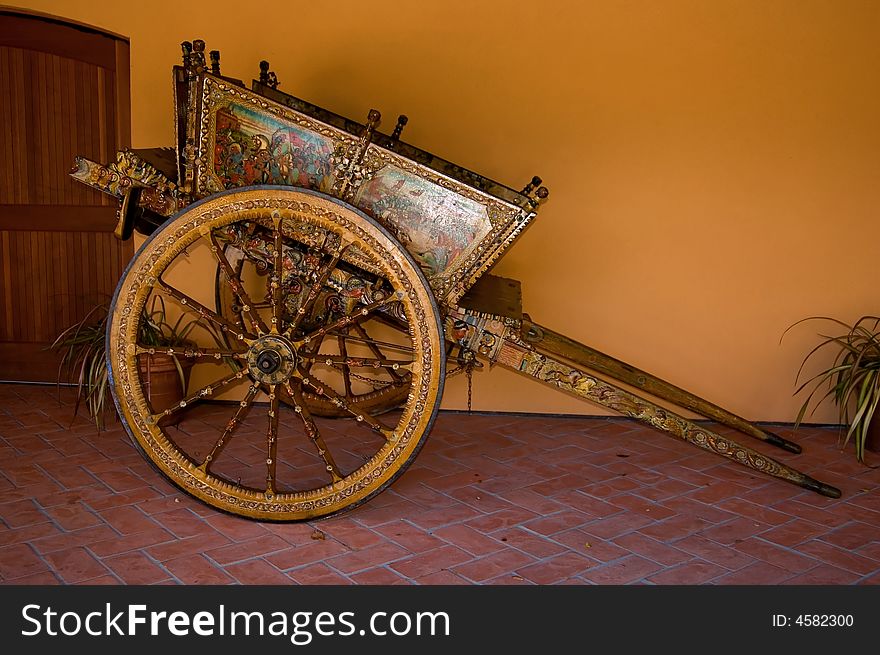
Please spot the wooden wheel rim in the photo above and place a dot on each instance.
(322, 212)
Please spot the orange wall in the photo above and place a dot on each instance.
(713, 166)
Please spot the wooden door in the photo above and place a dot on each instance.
(64, 91)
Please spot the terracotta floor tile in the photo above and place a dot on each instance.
(63, 540)
(315, 551)
(824, 574)
(853, 535)
(73, 517)
(735, 531)
(839, 557)
(506, 518)
(441, 578)
(729, 558)
(432, 561)
(465, 537)
(533, 502)
(616, 525)
(413, 538)
(754, 511)
(556, 569)
(675, 527)
(794, 532)
(784, 558)
(235, 528)
(759, 573)
(179, 547)
(181, 522)
(350, 533)
(601, 550)
(136, 568)
(257, 571)
(151, 536)
(491, 566)
(652, 549)
(629, 569)
(75, 565)
(321, 574)
(536, 545)
(28, 533)
(379, 576)
(42, 578)
(689, 573)
(19, 560)
(559, 522)
(437, 518)
(367, 558)
(196, 569)
(245, 550)
(21, 513)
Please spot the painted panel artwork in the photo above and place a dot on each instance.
(252, 147)
(436, 225)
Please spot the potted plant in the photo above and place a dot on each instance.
(83, 360)
(165, 376)
(852, 379)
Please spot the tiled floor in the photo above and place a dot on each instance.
(491, 499)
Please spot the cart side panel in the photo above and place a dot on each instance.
(453, 230)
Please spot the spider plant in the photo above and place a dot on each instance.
(83, 349)
(852, 379)
(156, 331)
(83, 354)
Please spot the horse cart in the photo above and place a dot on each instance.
(332, 276)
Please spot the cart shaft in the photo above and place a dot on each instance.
(562, 363)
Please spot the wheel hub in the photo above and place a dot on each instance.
(271, 359)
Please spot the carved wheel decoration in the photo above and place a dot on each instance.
(250, 439)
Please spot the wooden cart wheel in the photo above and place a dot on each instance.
(247, 441)
(375, 391)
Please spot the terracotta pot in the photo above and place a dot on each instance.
(161, 381)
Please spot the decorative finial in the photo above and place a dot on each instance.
(198, 53)
(542, 192)
(531, 186)
(187, 48)
(268, 77)
(215, 62)
(401, 123)
(373, 118)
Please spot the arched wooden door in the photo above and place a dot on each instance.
(65, 91)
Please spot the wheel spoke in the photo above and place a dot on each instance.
(272, 440)
(320, 279)
(349, 319)
(235, 283)
(312, 432)
(205, 392)
(276, 278)
(361, 330)
(346, 371)
(192, 353)
(361, 416)
(243, 408)
(198, 308)
(363, 362)
(374, 342)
